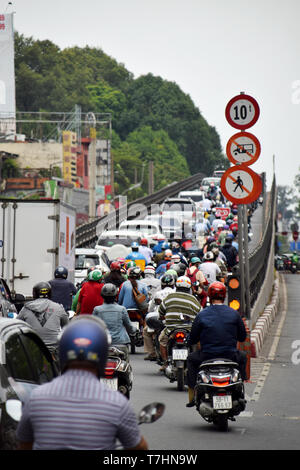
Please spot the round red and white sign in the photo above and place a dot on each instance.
(242, 111)
(243, 147)
(241, 185)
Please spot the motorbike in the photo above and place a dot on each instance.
(137, 319)
(219, 392)
(178, 352)
(155, 326)
(118, 371)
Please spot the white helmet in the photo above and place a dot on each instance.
(176, 259)
(184, 281)
(149, 270)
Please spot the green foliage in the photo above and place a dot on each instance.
(152, 118)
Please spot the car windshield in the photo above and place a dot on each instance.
(208, 181)
(178, 207)
(121, 240)
(86, 261)
(147, 229)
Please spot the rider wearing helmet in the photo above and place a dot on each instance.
(126, 295)
(115, 276)
(136, 255)
(62, 290)
(90, 293)
(115, 317)
(209, 268)
(145, 250)
(179, 302)
(45, 316)
(198, 280)
(218, 328)
(76, 410)
(150, 280)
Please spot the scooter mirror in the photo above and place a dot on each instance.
(151, 413)
(14, 409)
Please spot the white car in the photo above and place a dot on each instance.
(206, 182)
(109, 238)
(148, 229)
(196, 196)
(184, 210)
(85, 258)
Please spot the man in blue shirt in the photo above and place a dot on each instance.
(218, 328)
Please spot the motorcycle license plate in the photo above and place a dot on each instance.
(222, 402)
(110, 383)
(179, 354)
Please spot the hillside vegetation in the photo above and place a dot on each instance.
(152, 119)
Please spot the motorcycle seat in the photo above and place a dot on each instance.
(218, 362)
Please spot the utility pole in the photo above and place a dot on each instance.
(92, 174)
(151, 178)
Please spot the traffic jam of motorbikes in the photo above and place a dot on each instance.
(156, 286)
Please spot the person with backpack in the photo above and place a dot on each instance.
(198, 280)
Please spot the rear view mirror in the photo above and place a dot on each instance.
(151, 413)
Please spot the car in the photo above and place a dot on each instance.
(196, 196)
(218, 173)
(86, 258)
(206, 182)
(10, 304)
(171, 226)
(148, 229)
(25, 363)
(184, 210)
(109, 238)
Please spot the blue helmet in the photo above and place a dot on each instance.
(61, 272)
(85, 338)
(134, 245)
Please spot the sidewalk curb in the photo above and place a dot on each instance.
(264, 322)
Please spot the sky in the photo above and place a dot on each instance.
(212, 49)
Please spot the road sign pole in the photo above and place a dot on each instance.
(241, 255)
(246, 269)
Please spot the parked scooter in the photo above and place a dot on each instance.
(118, 371)
(219, 392)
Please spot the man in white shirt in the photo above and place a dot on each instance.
(209, 268)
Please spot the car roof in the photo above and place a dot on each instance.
(139, 222)
(179, 199)
(119, 233)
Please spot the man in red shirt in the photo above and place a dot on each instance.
(90, 293)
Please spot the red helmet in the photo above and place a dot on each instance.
(115, 266)
(144, 241)
(217, 291)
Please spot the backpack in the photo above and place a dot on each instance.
(139, 298)
(192, 276)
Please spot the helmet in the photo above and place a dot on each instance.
(189, 236)
(135, 272)
(149, 270)
(168, 254)
(165, 245)
(61, 272)
(184, 282)
(195, 260)
(84, 339)
(144, 241)
(130, 264)
(175, 258)
(209, 256)
(95, 275)
(173, 273)
(134, 246)
(167, 280)
(115, 266)
(41, 290)
(217, 290)
(109, 290)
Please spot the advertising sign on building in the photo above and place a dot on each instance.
(69, 156)
(7, 77)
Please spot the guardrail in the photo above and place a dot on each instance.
(87, 234)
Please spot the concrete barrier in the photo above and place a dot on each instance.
(264, 322)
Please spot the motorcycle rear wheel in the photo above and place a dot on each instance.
(221, 422)
(180, 379)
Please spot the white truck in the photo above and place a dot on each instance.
(35, 237)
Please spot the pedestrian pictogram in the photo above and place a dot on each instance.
(241, 185)
(242, 111)
(243, 148)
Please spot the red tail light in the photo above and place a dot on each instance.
(180, 337)
(110, 368)
(220, 381)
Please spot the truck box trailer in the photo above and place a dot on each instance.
(35, 237)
